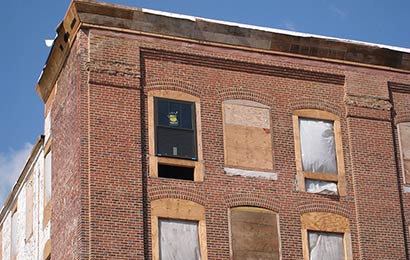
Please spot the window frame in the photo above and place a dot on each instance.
(401, 149)
(301, 175)
(47, 203)
(154, 160)
(13, 233)
(29, 223)
(177, 209)
(47, 250)
(193, 130)
(327, 223)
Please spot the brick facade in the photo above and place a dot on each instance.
(101, 185)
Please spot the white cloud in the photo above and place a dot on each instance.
(11, 165)
(289, 25)
(339, 12)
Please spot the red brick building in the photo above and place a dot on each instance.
(209, 140)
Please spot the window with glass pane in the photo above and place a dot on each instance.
(178, 239)
(326, 246)
(175, 129)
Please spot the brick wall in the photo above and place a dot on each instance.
(100, 162)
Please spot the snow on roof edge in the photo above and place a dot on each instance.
(273, 30)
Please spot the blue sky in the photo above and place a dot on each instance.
(27, 23)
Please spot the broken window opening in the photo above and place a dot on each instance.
(321, 187)
(176, 172)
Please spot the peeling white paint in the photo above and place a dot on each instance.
(30, 247)
(251, 174)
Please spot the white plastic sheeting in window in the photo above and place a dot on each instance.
(322, 187)
(317, 143)
(178, 240)
(326, 246)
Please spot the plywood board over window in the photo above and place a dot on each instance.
(254, 234)
(247, 135)
(404, 143)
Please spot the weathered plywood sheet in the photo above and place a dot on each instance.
(248, 147)
(248, 140)
(254, 235)
(247, 116)
(404, 141)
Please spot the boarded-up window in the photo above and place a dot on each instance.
(325, 246)
(247, 135)
(29, 206)
(47, 177)
(254, 234)
(178, 239)
(14, 227)
(404, 142)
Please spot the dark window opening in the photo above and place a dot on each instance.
(175, 132)
(176, 172)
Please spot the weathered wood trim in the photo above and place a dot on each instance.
(325, 222)
(301, 175)
(177, 209)
(153, 159)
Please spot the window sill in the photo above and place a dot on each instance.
(197, 165)
(251, 174)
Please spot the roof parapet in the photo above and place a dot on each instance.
(87, 13)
